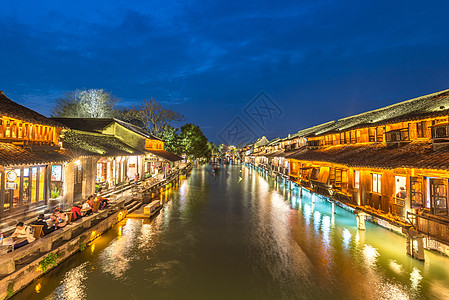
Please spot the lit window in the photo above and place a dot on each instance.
(356, 179)
(377, 183)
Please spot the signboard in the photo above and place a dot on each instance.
(10, 185)
(11, 175)
(56, 173)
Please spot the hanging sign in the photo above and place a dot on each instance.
(11, 175)
(10, 185)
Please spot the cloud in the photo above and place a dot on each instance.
(327, 58)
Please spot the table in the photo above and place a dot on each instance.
(8, 244)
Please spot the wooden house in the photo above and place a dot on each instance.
(392, 162)
(31, 161)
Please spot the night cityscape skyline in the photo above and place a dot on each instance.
(318, 61)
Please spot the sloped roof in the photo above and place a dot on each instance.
(89, 143)
(11, 155)
(14, 110)
(279, 153)
(376, 155)
(98, 125)
(165, 155)
(432, 105)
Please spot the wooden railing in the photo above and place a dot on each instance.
(435, 229)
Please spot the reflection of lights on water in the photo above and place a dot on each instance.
(357, 238)
(392, 291)
(346, 237)
(307, 213)
(72, 287)
(316, 220)
(37, 288)
(119, 233)
(415, 279)
(92, 248)
(326, 228)
(370, 253)
(397, 268)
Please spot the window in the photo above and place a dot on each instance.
(379, 134)
(400, 187)
(416, 192)
(439, 132)
(420, 129)
(356, 179)
(377, 183)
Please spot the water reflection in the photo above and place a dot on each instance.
(72, 286)
(243, 235)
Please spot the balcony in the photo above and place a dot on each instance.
(397, 138)
(440, 133)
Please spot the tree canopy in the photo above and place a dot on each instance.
(194, 142)
(92, 103)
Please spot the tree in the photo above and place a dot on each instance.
(172, 140)
(150, 115)
(92, 103)
(194, 142)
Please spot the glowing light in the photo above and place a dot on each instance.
(415, 278)
(37, 288)
(370, 253)
(346, 237)
(77, 162)
(397, 268)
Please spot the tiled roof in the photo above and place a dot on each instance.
(377, 155)
(14, 110)
(11, 155)
(165, 155)
(84, 143)
(279, 153)
(98, 125)
(432, 105)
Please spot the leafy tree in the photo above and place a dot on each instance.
(172, 140)
(92, 103)
(194, 142)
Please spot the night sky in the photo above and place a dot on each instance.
(316, 60)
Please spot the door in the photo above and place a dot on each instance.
(77, 183)
(438, 196)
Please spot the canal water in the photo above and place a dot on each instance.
(241, 235)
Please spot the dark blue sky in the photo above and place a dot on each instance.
(317, 60)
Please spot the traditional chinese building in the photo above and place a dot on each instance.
(111, 153)
(392, 162)
(31, 160)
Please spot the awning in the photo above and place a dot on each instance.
(11, 155)
(165, 155)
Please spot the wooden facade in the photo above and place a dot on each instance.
(390, 163)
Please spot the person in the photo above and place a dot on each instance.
(402, 193)
(23, 231)
(103, 201)
(91, 201)
(76, 210)
(59, 218)
(136, 178)
(87, 208)
(45, 229)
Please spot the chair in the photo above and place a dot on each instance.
(96, 206)
(38, 232)
(69, 217)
